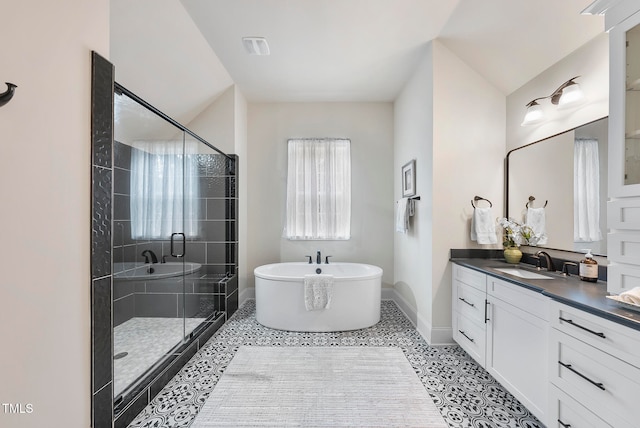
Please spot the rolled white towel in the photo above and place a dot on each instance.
(632, 296)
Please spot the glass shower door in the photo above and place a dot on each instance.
(204, 229)
(149, 242)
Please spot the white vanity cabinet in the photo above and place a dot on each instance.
(622, 18)
(594, 370)
(503, 326)
(517, 342)
(469, 301)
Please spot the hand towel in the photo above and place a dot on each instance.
(318, 290)
(402, 215)
(483, 229)
(632, 296)
(536, 220)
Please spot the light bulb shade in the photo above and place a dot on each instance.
(571, 95)
(533, 115)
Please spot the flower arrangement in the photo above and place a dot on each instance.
(516, 234)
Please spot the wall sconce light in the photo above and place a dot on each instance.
(6, 96)
(567, 95)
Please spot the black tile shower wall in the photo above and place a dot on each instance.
(102, 84)
(218, 213)
(101, 221)
(101, 321)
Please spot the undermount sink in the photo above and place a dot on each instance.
(522, 273)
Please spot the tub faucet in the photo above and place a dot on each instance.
(148, 254)
(547, 257)
(318, 258)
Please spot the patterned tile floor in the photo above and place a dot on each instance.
(466, 395)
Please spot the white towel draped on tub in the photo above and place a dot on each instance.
(318, 290)
(483, 230)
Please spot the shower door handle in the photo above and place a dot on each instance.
(173, 253)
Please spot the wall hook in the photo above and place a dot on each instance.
(8, 94)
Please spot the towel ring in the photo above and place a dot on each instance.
(531, 199)
(479, 198)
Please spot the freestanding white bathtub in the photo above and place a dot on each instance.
(355, 302)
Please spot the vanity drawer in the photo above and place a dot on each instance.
(624, 214)
(529, 301)
(623, 247)
(470, 277)
(469, 302)
(564, 412)
(602, 383)
(470, 336)
(608, 336)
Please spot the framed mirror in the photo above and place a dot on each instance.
(565, 177)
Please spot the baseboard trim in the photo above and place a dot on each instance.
(247, 293)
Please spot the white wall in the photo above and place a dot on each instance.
(452, 121)
(413, 135)
(591, 62)
(241, 121)
(370, 128)
(45, 185)
(469, 144)
(216, 123)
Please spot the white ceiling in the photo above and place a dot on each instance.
(182, 55)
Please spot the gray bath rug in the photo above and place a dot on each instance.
(319, 387)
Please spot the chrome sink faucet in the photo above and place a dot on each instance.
(550, 266)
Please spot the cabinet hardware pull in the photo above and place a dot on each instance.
(563, 424)
(568, 366)
(582, 327)
(470, 304)
(462, 333)
(486, 303)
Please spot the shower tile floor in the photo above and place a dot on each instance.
(145, 341)
(465, 394)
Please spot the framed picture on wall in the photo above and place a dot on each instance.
(409, 179)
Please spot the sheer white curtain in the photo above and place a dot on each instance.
(319, 189)
(164, 189)
(586, 191)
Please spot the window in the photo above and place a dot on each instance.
(319, 189)
(164, 189)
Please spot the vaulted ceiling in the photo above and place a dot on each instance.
(181, 55)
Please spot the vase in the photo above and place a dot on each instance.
(512, 254)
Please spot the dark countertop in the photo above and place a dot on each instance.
(570, 290)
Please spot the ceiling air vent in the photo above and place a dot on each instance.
(256, 45)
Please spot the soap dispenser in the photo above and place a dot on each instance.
(588, 268)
